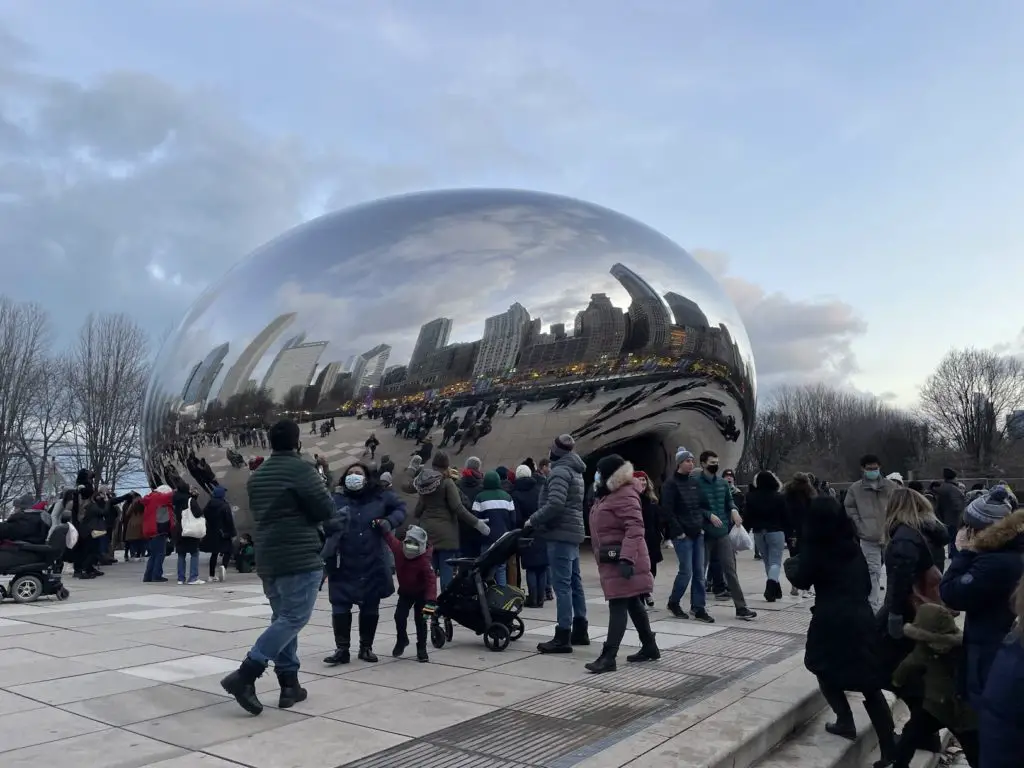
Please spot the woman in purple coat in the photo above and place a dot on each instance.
(623, 563)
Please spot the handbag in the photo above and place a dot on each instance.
(192, 527)
(609, 553)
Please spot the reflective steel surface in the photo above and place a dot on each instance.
(579, 319)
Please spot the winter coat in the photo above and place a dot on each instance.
(949, 504)
(25, 525)
(526, 496)
(798, 502)
(716, 497)
(651, 512)
(416, 577)
(359, 572)
(494, 507)
(133, 521)
(616, 519)
(289, 503)
(979, 582)
(766, 508)
(220, 523)
(470, 483)
(440, 509)
(1001, 714)
(560, 516)
(682, 506)
(866, 502)
(92, 518)
(842, 646)
(158, 514)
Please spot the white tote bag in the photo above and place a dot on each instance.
(192, 527)
(71, 538)
(741, 540)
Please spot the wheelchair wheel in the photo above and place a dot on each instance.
(449, 630)
(26, 588)
(62, 594)
(437, 635)
(517, 628)
(497, 637)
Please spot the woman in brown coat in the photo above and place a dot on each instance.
(134, 541)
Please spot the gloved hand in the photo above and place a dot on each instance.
(626, 569)
(382, 524)
(895, 626)
(482, 528)
(528, 526)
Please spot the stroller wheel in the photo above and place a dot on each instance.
(497, 637)
(516, 627)
(437, 636)
(449, 630)
(26, 589)
(62, 594)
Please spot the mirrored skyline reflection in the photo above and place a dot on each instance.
(456, 294)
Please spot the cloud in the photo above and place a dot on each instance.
(794, 340)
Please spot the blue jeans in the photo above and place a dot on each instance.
(291, 599)
(690, 552)
(772, 544)
(570, 602)
(193, 570)
(501, 575)
(156, 548)
(441, 567)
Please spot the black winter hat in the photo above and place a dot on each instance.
(609, 465)
(948, 474)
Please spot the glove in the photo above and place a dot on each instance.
(626, 569)
(383, 525)
(895, 626)
(482, 528)
(528, 526)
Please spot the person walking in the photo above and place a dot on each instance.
(866, 502)
(618, 538)
(684, 518)
(949, 506)
(766, 518)
(289, 502)
(559, 522)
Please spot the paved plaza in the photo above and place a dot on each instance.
(127, 674)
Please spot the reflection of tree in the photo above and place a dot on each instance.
(342, 391)
(250, 407)
(293, 398)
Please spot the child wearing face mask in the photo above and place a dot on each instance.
(417, 587)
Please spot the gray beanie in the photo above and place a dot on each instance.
(563, 445)
(473, 463)
(988, 509)
(682, 455)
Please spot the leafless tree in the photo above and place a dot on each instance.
(967, 397)
(293, 399)
(109, 369)
(24, 335)
(47, 426)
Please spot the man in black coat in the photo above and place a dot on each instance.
(681, 507)
(949, 506)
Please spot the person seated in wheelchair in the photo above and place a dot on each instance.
(25, 526)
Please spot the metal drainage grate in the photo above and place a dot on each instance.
(530, 739)
(732, 646)
(770, 637)
(608, 709)
(649, 681)
(695, 664)
(424, 755)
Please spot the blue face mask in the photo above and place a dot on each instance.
(872, 474)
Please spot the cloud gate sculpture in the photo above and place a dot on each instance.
(566, 316)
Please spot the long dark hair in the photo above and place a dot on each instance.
(827, 526)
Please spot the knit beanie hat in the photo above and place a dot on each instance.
(948, 474)
(473, 463)
(440, 461)
(608, 466)
(523, 471)
(987, 509)
(563, 445)
(682, 455)
(385, 478)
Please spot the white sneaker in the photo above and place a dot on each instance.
(196, 582)
(181, 583)
(221, 572)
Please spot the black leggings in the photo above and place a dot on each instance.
(922, 725)
(618, 609)
(875, 705)
(415, 604)
(224, 557)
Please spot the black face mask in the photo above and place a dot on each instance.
(711, 469)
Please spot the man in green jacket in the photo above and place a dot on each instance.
(289, 502)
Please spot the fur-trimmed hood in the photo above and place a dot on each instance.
(621, 477)
(766, 481)
(1001, 535)
(942, 643)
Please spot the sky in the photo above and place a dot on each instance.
(849, 172)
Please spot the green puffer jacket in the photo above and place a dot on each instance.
(716, 495)
(288, 501)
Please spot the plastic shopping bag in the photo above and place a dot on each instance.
(741, 540)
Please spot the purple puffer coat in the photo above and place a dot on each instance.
(617, 519)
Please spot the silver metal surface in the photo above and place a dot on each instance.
(598, 325)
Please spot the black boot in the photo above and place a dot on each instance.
(242, 685)
(560, 643)
(367, 631)
(605, 662)
(648, 647)
(580, 634)
(291, 692)
(401, 643)
(844, 724)
(421, 652)
(770, 588)
(341, 623)
(881, 720)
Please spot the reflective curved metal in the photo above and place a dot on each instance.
(583, 320)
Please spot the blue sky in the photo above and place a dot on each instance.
(850, 170)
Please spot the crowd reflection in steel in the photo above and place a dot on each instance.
(552, 314)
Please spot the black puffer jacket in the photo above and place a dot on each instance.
(681, 506)
(766, 507)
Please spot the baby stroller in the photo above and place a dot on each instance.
(476, 602)
(31, 567)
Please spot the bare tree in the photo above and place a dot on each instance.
(967, 396)
(109, 369)
(47, 425)
(24, 334)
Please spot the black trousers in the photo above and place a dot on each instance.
(618, 610)
(414, 604)
(922, 725)
(875, 705)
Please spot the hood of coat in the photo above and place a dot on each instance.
(621, 477)
(427, 481)
(935, 626)
(573, 461)
(1008, 531)
(766, 481)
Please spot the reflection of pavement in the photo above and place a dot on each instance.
(127, 674)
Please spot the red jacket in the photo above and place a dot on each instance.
(416, 577)
(151, 502)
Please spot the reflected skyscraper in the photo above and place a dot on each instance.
(238, 375)
(293, 367)
(374, 361)
(648, 318)
(503, 338)
(432, 337)
(205, 374)
(686, 311)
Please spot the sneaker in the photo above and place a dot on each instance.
(222, 572)
(676, 610)
(181, 583)
(745, 614)
(701, 614)
(723, 595)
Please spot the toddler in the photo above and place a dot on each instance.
(245, 560)
(417, 587)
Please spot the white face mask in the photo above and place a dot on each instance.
(354, 482)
